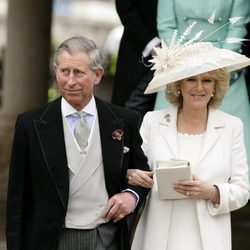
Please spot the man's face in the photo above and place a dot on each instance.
(75, 78)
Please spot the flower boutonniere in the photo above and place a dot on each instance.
(117, 134)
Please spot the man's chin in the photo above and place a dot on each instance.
(73, 100)
(77, 101)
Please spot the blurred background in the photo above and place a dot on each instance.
(29, 32)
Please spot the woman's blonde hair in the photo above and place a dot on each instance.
(221, 78)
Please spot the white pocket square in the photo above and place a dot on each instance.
(125, 150)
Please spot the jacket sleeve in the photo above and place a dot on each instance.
(138, 160)
(18, 191)
(240, 8)
(235, 193)
(166, 20)
(135, 27)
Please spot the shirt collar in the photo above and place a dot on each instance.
(67, 109)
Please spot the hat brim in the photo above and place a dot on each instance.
(212, 59)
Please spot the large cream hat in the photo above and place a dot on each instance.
(181, 59)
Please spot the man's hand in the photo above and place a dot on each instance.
(121, 205)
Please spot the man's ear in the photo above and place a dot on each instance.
(54, 68)
(99, 74)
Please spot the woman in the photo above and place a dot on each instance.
(197, 78)
(176, 14)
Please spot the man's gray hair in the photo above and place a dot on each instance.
(79, 44)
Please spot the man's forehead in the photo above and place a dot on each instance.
(75, 60)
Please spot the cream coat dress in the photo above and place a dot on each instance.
(178, 14)
(222, 161)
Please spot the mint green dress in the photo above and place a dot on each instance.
(178, 14)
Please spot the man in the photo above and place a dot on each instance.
(139, 38)
(68, 191)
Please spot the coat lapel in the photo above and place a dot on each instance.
(49, 129)
(169, 131)
(214, 128)
(112, 149)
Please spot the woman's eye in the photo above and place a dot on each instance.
(207, 80)
(190, 79)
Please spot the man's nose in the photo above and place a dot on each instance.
(71, 79)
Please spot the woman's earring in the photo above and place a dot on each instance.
(178, 92)
(212, 95)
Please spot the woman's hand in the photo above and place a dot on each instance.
(198, 189)
(140, 178)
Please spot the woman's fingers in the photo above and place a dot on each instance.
(140, 178)
(196, 188)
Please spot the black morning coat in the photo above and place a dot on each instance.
(139, 20)
(38, 182)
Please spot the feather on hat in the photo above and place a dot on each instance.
(182, 59)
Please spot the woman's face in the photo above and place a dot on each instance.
(197, 91)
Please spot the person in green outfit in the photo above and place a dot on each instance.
(178, 14)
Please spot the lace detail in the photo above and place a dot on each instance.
(190, 135)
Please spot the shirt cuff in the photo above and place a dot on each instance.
(153, 43)
(136, 195)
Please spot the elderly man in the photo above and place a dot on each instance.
(67, 182)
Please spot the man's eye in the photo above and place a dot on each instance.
(65, 71)
(78, 73)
